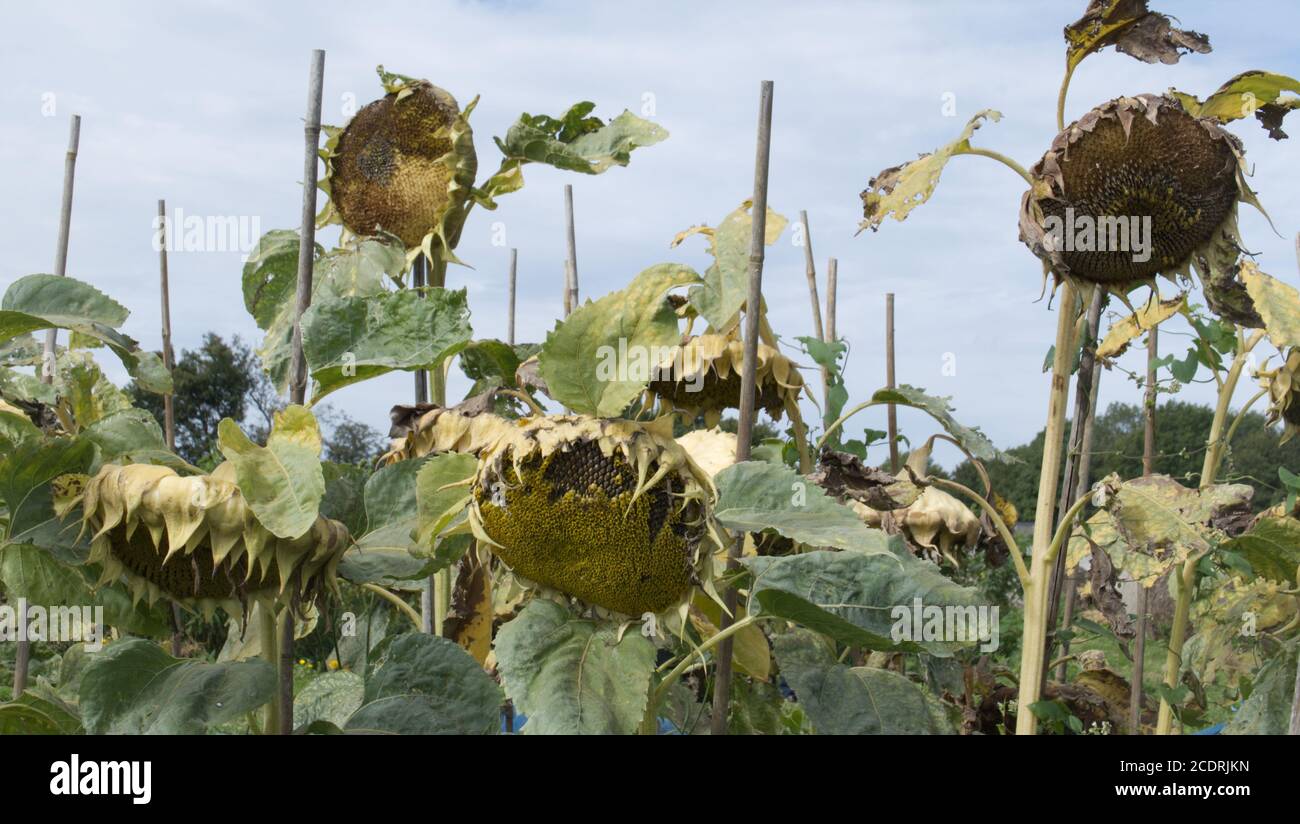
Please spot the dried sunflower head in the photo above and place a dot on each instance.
(1283, 385)
(427, 429)
(405, 164)
(611, 512)
(1135, 188)
(195, 541)
(702, 377)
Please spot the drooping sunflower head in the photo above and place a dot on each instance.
(702, 377)
(195, 541)
(611, 512)
(1283, 385)
(426, 429)
(1135, 188)
(404, 164)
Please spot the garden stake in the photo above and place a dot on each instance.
(169, 362)
(23, 649)
(510, 323)
(298, 373)
(889, 381)
(745, 424)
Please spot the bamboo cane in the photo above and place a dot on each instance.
(169, 362)
(889, 382)
(510, 323)
(745, 425)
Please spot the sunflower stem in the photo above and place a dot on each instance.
(1060, 96)
(1040, 569)
(271, 655)
(999, 157)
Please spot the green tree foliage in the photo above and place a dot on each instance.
(1254, 456)
(225, 380)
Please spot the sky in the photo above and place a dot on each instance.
(201, 103)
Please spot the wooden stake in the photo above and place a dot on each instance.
(298, 373)
(832, 282)
(169, 361)
(419, 280)
(889, 381)
(23, 650)
(810, 271)
(1149, 407)
(1076, 468)
(510, 327)
(1139, 662)
(571, 269)
(1294, 727)
(745, 425)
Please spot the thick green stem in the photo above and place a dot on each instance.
(1060, 97)
(405, 608)
(1217, 441)
(1177, 635)
(830, 430)
(1034, 638)
(1000, 525)
(661, 691)
(267, 626)
(440, 582)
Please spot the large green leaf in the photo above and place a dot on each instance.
(133, 686)
(429, 686)
(25, 477)
(441, 495)
(350, 339)
(132, 436)
(330, 696)
(574, 142)
(386, 551)
(940, 409)
(900, 189)
(755, 495)
(37, 302)
(1272, 546)
(282, 482)
(843, 700)
(721, 295)
(598, 359)
(573, 675)
(861, 599)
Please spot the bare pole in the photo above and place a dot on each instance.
(832, 282)
(23, 650)
(1294, 727)
(889, 380)
(745, 425)
(1139, 661)
(1076, 468)
(810, 271)
(298, 385)
(571, 267)
(510, 323)
(1149, 406)
(169, 361)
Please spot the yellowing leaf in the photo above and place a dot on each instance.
(1277, 303)
(900, 189)
(750, 650)
(1132, 29)
(1123, 332)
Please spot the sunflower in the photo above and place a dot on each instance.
(1135, 188)
(405, 164)
(427, 429)
(1283, 385)
(195, 541)
(611, 512)
(702, 377)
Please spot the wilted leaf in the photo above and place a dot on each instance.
(1252, 92)
(975, 441)
(1277, 303)
(1268, 709)
(1132, 29)
(755, 495)
(1123, 331)
(598, 360)
(900, 189)
(1272, 546)
(574, 675)
(578, 143)
(749, 650)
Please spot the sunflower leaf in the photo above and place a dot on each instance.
(721, 296)
(282, 482)
(1277, 303)
(1125, 330)
(1131, 28)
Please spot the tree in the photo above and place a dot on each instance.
(226, 380)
